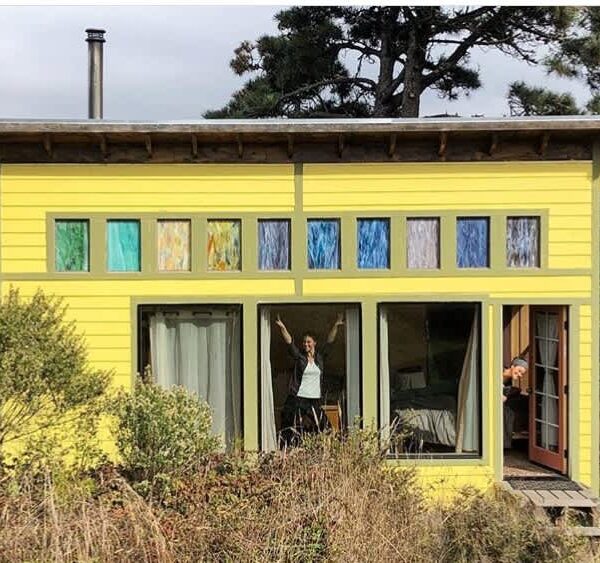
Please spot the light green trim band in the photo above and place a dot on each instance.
(299, 250)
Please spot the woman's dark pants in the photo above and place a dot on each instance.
(300, 416)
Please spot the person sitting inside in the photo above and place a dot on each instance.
(302, 410)
(511, 392)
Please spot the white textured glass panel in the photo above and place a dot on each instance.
(423, 243)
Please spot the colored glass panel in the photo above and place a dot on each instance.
(323, 244)
(123, 245)
(423, 243)
(472, 242)
(71, 246)
(523, 242)
(373, 243)
(173, 246)
(274, 245)
(224, 246)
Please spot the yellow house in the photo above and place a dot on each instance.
(448, 247)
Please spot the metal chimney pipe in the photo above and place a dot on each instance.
(95, 40)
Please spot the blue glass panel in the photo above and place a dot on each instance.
(323, 244)
(523, 242)
(123, 246)
(373, 243)
(472, 242)
(274, 245)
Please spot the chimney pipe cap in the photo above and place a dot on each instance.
(94, 34)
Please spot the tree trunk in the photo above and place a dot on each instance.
(384, 105)
(413, 76)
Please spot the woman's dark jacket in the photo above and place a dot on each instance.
(300, 363)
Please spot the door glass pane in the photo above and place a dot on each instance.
(274, 245)
(472, 242)
(423, 243)
(552, 444)
(173, 246)
(550, 410)
(123, 242)
(522, 242)
(224, 248)
(373, 243)
(540, 434)
(540, 378)
(323, 244)
(539, 399)
(71, 245)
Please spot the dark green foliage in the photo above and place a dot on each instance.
(45, 379)
(317, 64)
(525, 100)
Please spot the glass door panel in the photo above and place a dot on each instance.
(547, 443)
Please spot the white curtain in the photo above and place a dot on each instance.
(267, 409)
(201, 352)
(384, 374)
(467, 419)
(547, 343)
(352, 364)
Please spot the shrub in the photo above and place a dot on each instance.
(161, 433)
(45, 378)
(495, 526)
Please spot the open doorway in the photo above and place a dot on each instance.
(340, 393)
(534, 409)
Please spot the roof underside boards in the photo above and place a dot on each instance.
(299, 140)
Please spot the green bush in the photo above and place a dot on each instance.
(161, 433)
(45, 378)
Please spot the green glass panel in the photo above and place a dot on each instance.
(123, 245)
(71, 245)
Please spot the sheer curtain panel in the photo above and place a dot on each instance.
(200, 351)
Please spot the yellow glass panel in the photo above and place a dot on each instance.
(224, 246)
(173, 246)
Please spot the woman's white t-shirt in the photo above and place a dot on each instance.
(310, 386)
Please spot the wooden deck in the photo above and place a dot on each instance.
(558, 499)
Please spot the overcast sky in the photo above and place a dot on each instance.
(172, 63)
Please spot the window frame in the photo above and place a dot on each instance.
(432, 456)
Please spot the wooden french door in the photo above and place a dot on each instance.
(548, 384)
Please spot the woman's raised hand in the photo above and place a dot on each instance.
(340, 319)
(279, 322)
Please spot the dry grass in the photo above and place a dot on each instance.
(327, 501)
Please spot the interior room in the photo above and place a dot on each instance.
(198, 347)
(431, 377)
(340, 393)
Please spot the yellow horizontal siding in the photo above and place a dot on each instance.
(561, 188)
(585, 404)
(30, 192)
(572, 286)
(197, 289)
